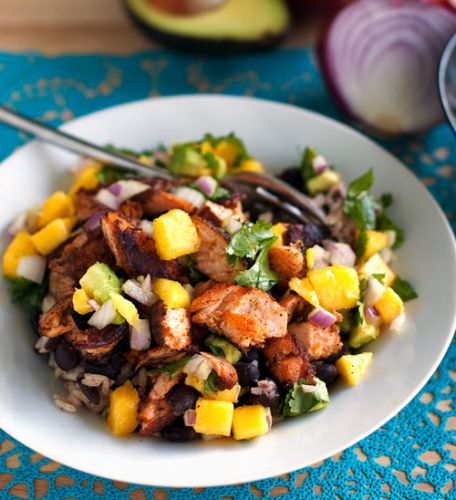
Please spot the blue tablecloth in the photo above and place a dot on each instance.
(413, 455)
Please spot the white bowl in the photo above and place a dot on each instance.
(274, 133)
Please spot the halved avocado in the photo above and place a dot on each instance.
(234, 26)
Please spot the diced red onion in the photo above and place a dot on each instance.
(32, 267)
(190, 418)
(162, 156)
(320, 317)
(115, 189)
(135, 290)
(387, 255)
(106, 198)
(391, 237)
(146, 285)
(94, 221)
(397, 323)
(372, 316)
(47, 303)
(140, 335)
(374, 292)
(191, 195)
(268, 415)
(93, 304)
(319, 164)
(198, 366)
(232, 224)
(380, 58)
(340, 253)
(147, 227)
(115, 194)
(18, 224)
(104, 316)
(131, 188)
(322, 257)
(207, 185)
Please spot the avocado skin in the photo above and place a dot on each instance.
(206, 45)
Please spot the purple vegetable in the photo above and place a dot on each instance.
(321, 317)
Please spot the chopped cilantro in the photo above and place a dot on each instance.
(210, 385)
(27, 293)
(297, 401)
(358, 316)
(260, 275)
(128, 151)
(307, 169)
(110, 174)
(193, 273)
(172, 368)
(404, 289)
(220, 194)
(384, 223)
(379, 277)
(361, 185)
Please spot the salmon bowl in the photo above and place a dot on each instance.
(232, 399)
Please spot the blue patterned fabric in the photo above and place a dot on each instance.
(414, 454)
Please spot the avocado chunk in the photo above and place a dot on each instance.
(232, 26)
(186, 161)
(100, 282)
(322, 182)
(221, 347)
(304, 398)
(363, 334)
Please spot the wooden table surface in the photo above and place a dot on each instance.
(81, 26)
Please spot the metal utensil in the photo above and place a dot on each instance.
(266, 187)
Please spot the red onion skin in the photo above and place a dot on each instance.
(322, 54)
(321, 318)
(115, 189)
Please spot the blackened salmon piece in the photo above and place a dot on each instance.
(226, 372)
(288, 262)
(155, 202)
(86, 205)
(156, 357)
(134, 250)
(132, 210)
(170, 327)
(57, 321)
(318, 342)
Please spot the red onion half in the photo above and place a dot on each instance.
(380, 59)
(321, 317)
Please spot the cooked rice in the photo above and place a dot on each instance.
(64, 405)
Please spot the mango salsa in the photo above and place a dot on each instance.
(57, 206)
(228, 151)
(172, 293)
(123, 410)
(230, 395)
(21, 246)
(250, 421)
(376, 241)
(310, 258)
(304, 288)
(214, 417)
(52, 235)
(81, 302)
(353, 367)
(376, 265)
(249, 166)
(390, 306)
(87, 179)
(175, 235)
(337, 287)
(125, 308)
(279, 230)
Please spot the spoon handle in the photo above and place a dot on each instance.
(76, 145)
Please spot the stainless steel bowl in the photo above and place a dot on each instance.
(447, 81)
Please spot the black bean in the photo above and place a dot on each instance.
(326, 372)
(292, 176)
(252, 355)
(110, 368)
(343, 352)
(309, 234)
(181, 398)
(81, 320)
(92, 393)
(269, 396)
(66, 356)
(178, 434)
(248, 373)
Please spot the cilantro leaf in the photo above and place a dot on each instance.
(220, 194)
(358, 312)
(110, 174)
(128, 151)
(384, 223)
(307, 169)
(297, 401)
(386, 200)
(251, 238)
(210, 385)
(361, 185)
(172, 368)
(27, 293)
(404, 289)
(379, 277)
(260, 275)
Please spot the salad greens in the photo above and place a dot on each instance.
(27, 293)
(404, 289)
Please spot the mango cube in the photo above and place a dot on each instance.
(81, 302)
(21, 246)
(310, 258)
(57, 206)
(214, 417)
(250, 421)
(353, 367)
(279, 230)
(87, 179)
(175, 235)
(206, 147)
(172, 293)
(123, 410)
(228, 151)
(52, 235)
(303, 288)
(337, 286)
(249, 166)
(125, 308)
(376, 241)
(376, 265)
(230, 395)
(389, 306)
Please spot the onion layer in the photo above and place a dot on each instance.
(32, 268)
(321, 317)
(140, 335)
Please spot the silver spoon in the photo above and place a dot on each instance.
(265, 186)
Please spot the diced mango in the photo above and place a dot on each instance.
(57, 206)
(172, 293)
(123, 410)
(376, 265)
(376, 241)
(230, 395)
(279, 230)
(337, 287)
(322, 182)
(390, 306)
(303, 288)
(353, 367)
(250, 421)
(21, 246)
(214, 417)
(52, 235)
(87, 179)
(249, 166)
(81, 302)
(206, 147)
(310, 258)
(228, 151)
(175, 235)
(125, 308)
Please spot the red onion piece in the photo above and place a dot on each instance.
(131, 188)
(93, 304)
(374, 292)
(397, 323)
(268, 415)
(140, 335)
(106, 198)
(320, 317)
(198, 366)
(380, 60)
(104, 316)
(207, 185)
(340, 253)
(319, 164)
(135, 290)
(115, 189)
(191, 195)
(190, 418)
(232, 224)
(147, 227)
(93, 221)
(47, 303)
(32, 267)
(17, 225)
(372, 316)
(322, 257)
(161, 156)
(146, 285)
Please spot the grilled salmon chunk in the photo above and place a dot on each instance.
(170, 327)
(134, 250)
(226, 372)
(57, 321)
(157, 357)
(287, 261)
(156, 202)
(245, 316)
(211, 258)
(318, 342)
